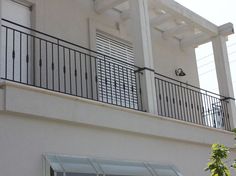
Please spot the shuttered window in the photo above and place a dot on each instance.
(116, 78)
(110, 46)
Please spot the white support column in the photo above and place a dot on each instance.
(224, 75)
(143, 52)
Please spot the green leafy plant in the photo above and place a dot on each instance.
(234, 163)
(216, 165)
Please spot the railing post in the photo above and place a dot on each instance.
(1, 58)
(143, 52)
(224, 76)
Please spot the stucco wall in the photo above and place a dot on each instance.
(25, 139)
(69, 20)
(62, 124)
(169, 56)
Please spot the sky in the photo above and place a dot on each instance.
(219, 12)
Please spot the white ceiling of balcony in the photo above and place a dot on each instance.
(173, 20)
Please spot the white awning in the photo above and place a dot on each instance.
(95, 166)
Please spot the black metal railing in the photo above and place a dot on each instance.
(37, 59)
(185, 102)
(41, 60)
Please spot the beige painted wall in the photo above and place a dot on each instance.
(69, 20)
(25, 139)
(56, 123)
(170, 56)
(67, 125)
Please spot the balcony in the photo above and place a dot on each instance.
(37, 59)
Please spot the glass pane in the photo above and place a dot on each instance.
(54, 163)
(165, 172)
(79, 174)
(123, 168)
(59, 173)
(76, 165)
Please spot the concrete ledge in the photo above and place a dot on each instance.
(31, 101)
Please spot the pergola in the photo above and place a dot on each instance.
(173, 21)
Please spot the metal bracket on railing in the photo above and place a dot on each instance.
(144, 68)
(228, 98)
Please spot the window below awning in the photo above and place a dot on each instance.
(62, 165)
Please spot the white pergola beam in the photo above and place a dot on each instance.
(226, 29)
(179, 29)
(201, 38)
(179, 11)
(195, 40)
(160, 19)
(125, 15)
(103, 5)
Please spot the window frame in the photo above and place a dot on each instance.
(130, 99)
(96, 164)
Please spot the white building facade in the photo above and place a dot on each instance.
(109, 88)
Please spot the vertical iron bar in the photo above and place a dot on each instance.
(132, 86)
(186, 105)
(173, 99)
(53, 67)
(105, 65)
(120, 86)
(64, 68)
(128, 85)
(27, 58)
(211, 110)
(91, 76)
(70, 71)
(205, 110)
(6, 53)
(160, 96)
(156, 89)
(227, 114)
(81, 75)
(198, 107)
(34, 62)
(101, 78)
(208, 110)
(140, 92)
(137, 89)
(76, 74)
(182, 104)
(163, 98)
(58, 65)
(40, 61)
(170, 99)
(86, 75)
(200, 101)
(194, 106)
(46, 47)
(13, 57)
(110, 72)
(20, 57)
(96, 77)
(115, 83)
(176, 103)
(190, 106)
(124, 88)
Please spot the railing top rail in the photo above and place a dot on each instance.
(105, 56)
(189, 85)
(64, 41)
